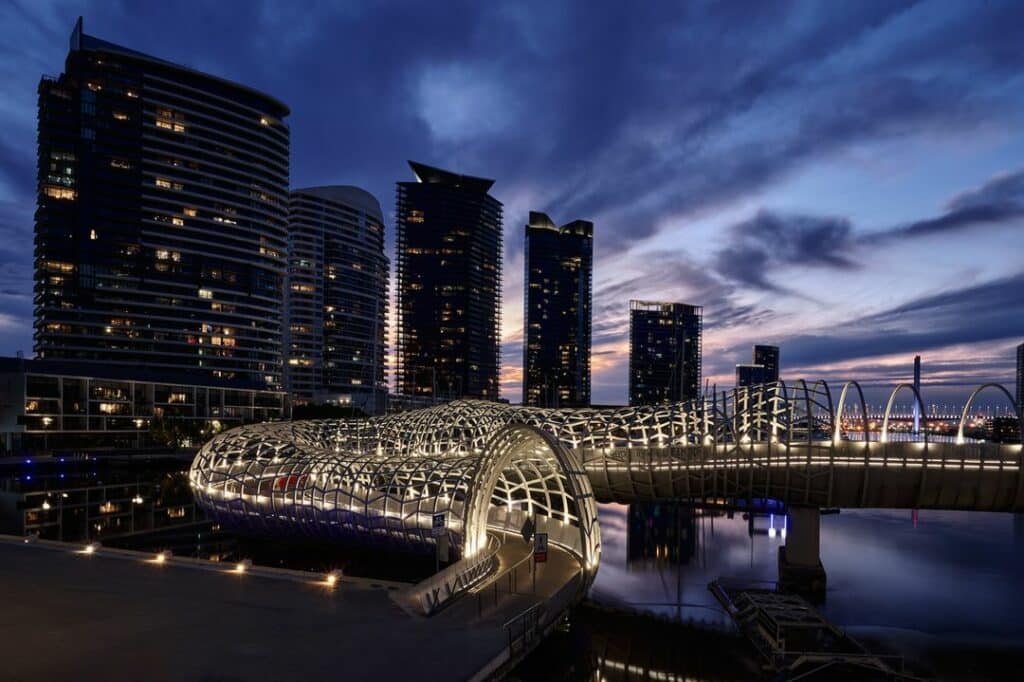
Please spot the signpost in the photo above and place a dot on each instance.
(438, 530)
(540, 548)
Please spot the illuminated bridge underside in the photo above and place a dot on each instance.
(489, 466)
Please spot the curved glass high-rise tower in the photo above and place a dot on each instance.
(448, 275)
(162, 219)
(337, 298)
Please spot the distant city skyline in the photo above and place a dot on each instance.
(848, 184)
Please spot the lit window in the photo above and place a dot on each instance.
(120, 116)
(55, 192)
(191, 212)
(94, 235)
(177, 221)
(205, 293)
(131, 93)
(120, 163)
(161, 182)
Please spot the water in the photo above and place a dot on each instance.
(943, 574)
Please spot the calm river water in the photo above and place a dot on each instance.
(944, 574)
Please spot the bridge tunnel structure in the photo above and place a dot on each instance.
(489, 466)
(333, 481)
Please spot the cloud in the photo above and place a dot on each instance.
(998, 201)
(987, 312)
(459, 102)
(769, 241)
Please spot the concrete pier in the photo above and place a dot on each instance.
(800, 567)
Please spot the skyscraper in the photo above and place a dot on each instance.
(749, 375)
(449, 285)
(1020, 378)
(337, 298)
(764, 369)
(664, 352)
(768, 357)
(161, 226)
(556, 345)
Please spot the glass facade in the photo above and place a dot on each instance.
(57, 404)
(337, 298)
(448, 273)
(161, 225)
(764, 369)
(768, 357)
(556, 343)
(664, 352)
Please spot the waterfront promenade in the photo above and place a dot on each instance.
(117, 615)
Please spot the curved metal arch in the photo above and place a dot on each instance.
(838, 434)
(970, 402)
(888, 409)
(517, 441)
(829, 406)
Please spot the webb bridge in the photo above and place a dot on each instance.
(488, 467)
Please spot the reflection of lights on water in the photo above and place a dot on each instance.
(773, 531)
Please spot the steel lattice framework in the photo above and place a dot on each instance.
(489, 466)
(381, 481)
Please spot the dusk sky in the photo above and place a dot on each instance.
(843, 179)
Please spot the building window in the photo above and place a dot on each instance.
(56, 192)
(205, 293)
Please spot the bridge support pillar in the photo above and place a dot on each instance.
(800, 568)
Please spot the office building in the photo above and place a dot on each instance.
(337, 298)
(763, 370)
(161, 227)
(664, 352)
(448, 274)
(556, 342)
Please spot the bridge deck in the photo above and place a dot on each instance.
(115, 616)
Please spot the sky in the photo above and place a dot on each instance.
(845, 180)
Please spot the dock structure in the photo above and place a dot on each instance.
(795, 640)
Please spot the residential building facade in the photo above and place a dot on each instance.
(664, 352)
(337, 298)
(557, 315)
(161, 227)
(448, 276)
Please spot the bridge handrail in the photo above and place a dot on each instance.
(435, 592)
